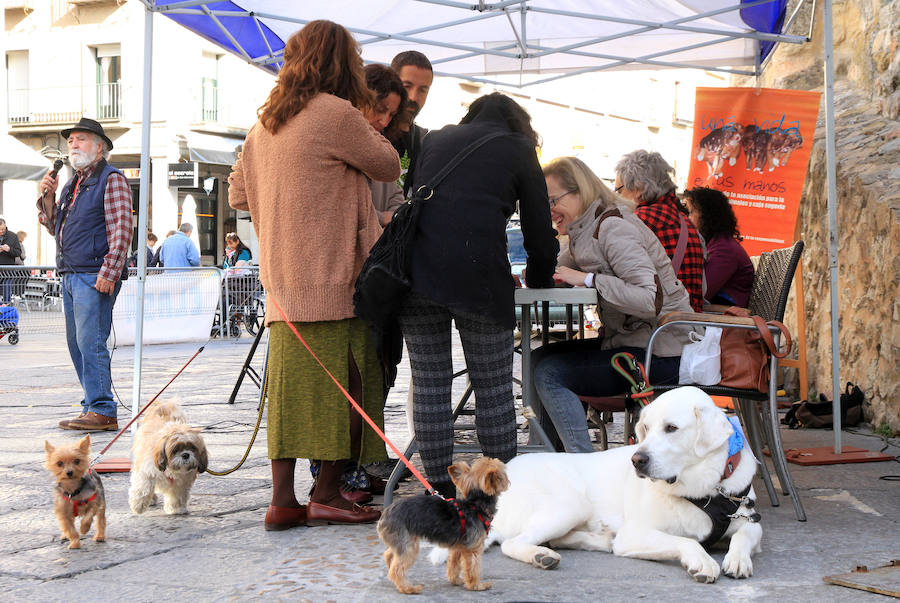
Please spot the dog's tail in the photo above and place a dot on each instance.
(438, 554)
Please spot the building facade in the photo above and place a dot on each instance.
(71, 58)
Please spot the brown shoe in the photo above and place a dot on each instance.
(357, 497)
(65, 423)
(320, 515)
(285, 518)
(91, 421)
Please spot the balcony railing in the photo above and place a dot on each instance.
(64, 104)
(209, 100)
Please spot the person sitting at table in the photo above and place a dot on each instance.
(729, 271)
(236, 253)
(613, 251)
(645, 178)
(460, 272)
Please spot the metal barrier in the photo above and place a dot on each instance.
(30, 301)
(243, 301)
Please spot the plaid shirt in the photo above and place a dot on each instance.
(661, 216)
(119, 226)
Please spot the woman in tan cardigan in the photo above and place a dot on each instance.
(302, 175)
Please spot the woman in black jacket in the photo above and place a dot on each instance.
(460, 271)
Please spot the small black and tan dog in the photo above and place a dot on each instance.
(461, 525)
(78, 490)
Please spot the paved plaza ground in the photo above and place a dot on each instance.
(220, 551)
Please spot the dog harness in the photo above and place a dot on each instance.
(485, 518)
(71, 497)
(724, 507)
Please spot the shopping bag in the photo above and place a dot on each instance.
(700, 359)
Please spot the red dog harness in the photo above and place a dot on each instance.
(462, 517)
(71, 497)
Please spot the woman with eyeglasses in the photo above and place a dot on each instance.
(613, 251)
(729, 271)
(461, 273)
(644, 177)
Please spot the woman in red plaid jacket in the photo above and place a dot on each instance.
(644, 177)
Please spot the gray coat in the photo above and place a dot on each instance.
(633, 276)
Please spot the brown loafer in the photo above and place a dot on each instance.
(285, 518)
(91, 421)
(358, 497)
(320, 515)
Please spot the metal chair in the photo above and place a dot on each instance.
(768, 299)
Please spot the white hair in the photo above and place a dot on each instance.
(104, 148)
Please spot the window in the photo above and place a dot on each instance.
(109, 81)
(17, 86)
(209, 87)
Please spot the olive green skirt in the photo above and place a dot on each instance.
(309, 417)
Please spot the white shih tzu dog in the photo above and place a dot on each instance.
(168, 457)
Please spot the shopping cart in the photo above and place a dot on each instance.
(9, 324)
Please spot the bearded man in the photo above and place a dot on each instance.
(93, 227)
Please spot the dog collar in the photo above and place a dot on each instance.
(735, 445)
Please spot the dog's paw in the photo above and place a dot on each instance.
(546, 559)
(99, 538)
(737, 566)
(701, 567)
(479, 586)
(75, 544)
(410, 589)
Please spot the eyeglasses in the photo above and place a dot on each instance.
(554, 200)
(619, 188)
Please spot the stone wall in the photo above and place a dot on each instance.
(867, 130)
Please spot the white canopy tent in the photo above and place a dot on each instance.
(534, 41)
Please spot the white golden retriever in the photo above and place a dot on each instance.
(635, 501)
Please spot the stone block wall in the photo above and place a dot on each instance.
(867, 131)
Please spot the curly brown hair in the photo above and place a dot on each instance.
(321, 57)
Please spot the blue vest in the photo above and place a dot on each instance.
(83, 243)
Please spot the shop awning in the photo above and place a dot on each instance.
(18, 161)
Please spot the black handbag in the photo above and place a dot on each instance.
(385, 279)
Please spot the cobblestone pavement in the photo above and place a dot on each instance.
(220, 552)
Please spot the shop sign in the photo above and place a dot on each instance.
(184, 175)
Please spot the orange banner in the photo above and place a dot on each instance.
(754, 146)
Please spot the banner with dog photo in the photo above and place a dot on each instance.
(754, 146)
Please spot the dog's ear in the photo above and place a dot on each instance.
(640, 430)
(159, 453)
(84, 444)
(495, 481)
(713, 429)
(202, 460)
(457, 471)
(48, 447)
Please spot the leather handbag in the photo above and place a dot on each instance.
(745, 352)
(384, 280)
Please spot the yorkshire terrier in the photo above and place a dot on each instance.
(460, 525)
(79, 491)
(169, 454)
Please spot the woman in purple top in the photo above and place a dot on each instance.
(729, 272)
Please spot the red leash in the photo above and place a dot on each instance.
(353, 403)
(118, 435)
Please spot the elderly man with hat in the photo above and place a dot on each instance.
(92, 224)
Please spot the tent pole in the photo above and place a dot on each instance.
(832, 221)
(142, 214)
